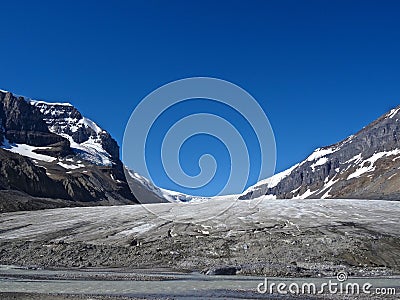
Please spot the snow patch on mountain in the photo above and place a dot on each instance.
(305, 195)
(355, 159)
(27, 150)
(89, 123)
(63, 119)
(91, 151)
(273, 180)
(320, 152)
(328, 186)
(170, 196)
(393, 112)
(367, 165)
(40, 102)
(70, 166)
(321, 161)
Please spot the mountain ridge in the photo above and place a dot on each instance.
(50, 150)
(361, 166)
(352, 168)
(53, 145)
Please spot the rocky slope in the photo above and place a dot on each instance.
(50, 150)
(365, 166)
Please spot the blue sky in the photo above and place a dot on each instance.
(321, 70)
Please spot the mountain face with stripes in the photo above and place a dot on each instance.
(364, 166)
(50, 151)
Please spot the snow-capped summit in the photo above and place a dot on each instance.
(50, 150)
(86, 138)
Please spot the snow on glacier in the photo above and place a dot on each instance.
(129, 220)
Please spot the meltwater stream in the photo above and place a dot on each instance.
(154, 283)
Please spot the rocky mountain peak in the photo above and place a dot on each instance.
(21, 123)
(51, 150)
(84, 135)
(364, 165)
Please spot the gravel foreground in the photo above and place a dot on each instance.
(37, 296)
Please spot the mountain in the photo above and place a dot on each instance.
(50, 151)
(147, 192)
(363, 166)
(52, 156)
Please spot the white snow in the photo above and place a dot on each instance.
(393, 112)
(361, 171)
(273, 180)
(70, 166)
(304, 195)
(321, 161)
(328, 186)
(38, 102)
(264, 197)
(356, 158)
(119, 224)
(170, 196)
(319, 156)
(368, 164)
(27, 150)
(61, 121)
(91, 150)
(319, 152)
(89, 123)
(326, 194)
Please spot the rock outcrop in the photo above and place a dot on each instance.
(21, 123)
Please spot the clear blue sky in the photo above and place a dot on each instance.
(321, 70)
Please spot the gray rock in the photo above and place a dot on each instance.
(24, 123)
(222, 271)
(380, 182)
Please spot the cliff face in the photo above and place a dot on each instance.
(23, 124)
(52, 151)
(365, 165)
(65, 120)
